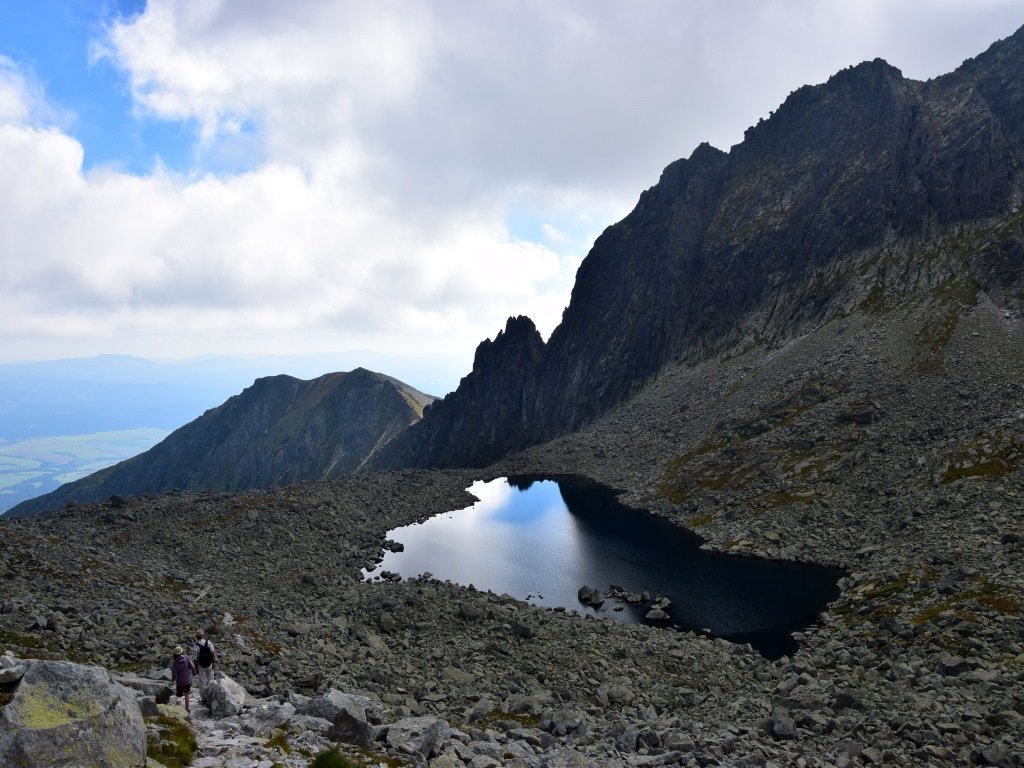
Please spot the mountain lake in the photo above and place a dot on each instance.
(541, 540)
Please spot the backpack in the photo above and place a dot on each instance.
(205, 657)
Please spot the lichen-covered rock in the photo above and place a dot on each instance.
(66, 715)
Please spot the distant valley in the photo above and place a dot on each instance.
(279, 430)
(808, 348)
(62, 420)
(38, 465)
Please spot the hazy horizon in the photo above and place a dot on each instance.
(66, 418)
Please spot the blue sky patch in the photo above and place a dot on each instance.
(49, 41)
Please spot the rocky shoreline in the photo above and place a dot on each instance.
(834, 449)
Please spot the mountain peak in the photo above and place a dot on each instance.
(759, 246)
(279, 430)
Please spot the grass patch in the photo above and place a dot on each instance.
(176, 745)
(987, 593)
(782, 498)
(1001, 603)
(726, 459)
(699, 520)
(888, 589)
(6, 697)
(681, 481)
(522, 720)
(954, 297)
(869, 603)
(279, 740)
(7, 637)
(987, 457)
(929, 614)
(131, 666)
(876, 302)
(333, 758)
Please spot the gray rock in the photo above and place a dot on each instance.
(262, 717)
(470, 612)
(590, 596)
(480, 710)
(159, 689)
(11, 674)
(782, 725)
(224, 696)
(350, 729)
(847, 699)
(418, 735)
(330, 704)
(620, 694)
(148, 706)
(628, 739)
(66, 715)
(951, 666)
(996, 755)
(564, 722)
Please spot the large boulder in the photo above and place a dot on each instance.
(418, 735)
(266, 715)
(10, 670)
(349, 729)
(65, 715)
(334, 702)
(224, 696)
(160, 690)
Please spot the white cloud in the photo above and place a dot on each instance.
(13, 107)
(386, 144)
(275, 259)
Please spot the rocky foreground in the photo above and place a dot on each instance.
(871, 444)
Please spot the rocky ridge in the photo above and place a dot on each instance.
(864, 411)
(866, 444)
(278, 431)
(868, 188)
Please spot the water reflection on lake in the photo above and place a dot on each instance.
(541, 540)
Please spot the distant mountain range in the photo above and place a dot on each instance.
(85, 395)
(866, 195)
(278, 431)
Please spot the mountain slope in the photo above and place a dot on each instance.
(278, 431)
(865, 191)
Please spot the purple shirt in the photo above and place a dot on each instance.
(182, 669)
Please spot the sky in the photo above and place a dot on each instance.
(187, 177)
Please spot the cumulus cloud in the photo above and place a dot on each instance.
(407, 174)
(279, 258)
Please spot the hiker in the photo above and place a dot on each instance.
(206, 660)
(182, 670)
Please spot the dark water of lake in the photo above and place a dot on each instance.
(541, 540)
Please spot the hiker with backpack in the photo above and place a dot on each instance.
(206, 660)
(182, 670)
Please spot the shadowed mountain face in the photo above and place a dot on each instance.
(278, 431)
(865, 192)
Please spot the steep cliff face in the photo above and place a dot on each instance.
(866, 189)
(278, 431)
(487, 411)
